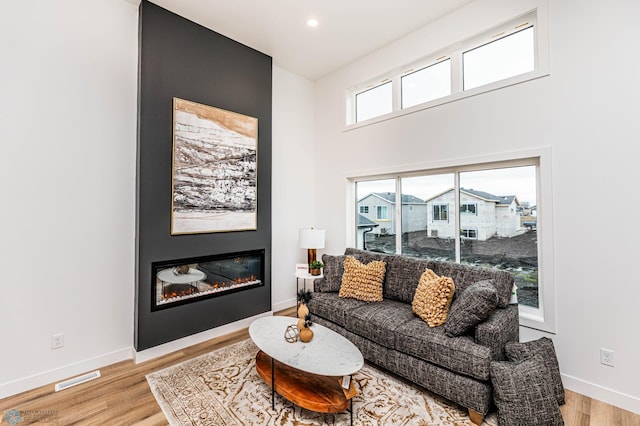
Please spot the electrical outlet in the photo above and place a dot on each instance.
(606, 357)
(57, 341)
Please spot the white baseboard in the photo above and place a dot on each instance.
(51, 376)
(609, 396)
(285, 305)
(185, 342)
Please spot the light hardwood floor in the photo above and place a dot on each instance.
(121, 396)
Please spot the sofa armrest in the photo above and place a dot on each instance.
(502, 326)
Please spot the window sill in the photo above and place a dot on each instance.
(534, 318)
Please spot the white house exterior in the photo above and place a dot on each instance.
(380, 208)
(482, 215)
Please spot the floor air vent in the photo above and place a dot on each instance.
(77, 380)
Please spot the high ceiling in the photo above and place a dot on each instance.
(347, 30)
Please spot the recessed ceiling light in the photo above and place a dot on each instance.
(312, 22)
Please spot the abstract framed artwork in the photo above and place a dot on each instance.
(214, 170)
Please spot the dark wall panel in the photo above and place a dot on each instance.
(179, 58)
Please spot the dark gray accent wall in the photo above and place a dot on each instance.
(179, 58)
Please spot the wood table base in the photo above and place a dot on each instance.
(322, 394)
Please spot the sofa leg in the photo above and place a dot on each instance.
(476, 418)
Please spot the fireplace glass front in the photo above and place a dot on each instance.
(177, 282)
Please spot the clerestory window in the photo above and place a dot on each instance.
(507, 54)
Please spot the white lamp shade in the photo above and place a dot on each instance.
(311, 238)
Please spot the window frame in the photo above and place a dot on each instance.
(544, 317)
(386, 213)
(535, 18)
(467, 212)
(440, 207)
(468, 230)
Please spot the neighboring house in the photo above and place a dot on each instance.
(379, 207)
(364, 226)
(482, 215)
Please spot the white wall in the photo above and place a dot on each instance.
(68, 83)
(584, 111)
(292, 196)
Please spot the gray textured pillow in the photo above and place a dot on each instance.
(524, 394)
(544, 347)
(333, 270)
(473, 306)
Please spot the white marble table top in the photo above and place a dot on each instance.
(308, 276)
(327, 354)
(169, 276)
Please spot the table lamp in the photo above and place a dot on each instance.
(311, 239)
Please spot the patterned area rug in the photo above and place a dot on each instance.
(223, 388)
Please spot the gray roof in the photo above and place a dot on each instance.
(406, 198)
(500, 199)
(364, 222)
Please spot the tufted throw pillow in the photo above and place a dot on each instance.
(523, 393)
(473, 306)
(432, 298)
(362, 282)
(516, 351)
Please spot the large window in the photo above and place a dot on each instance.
(510, 53)
(423, 233)
(499, 236)
(375, 226)
(483, 215)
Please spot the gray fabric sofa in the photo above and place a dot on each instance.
(391, 336)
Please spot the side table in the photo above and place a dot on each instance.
(304, 276)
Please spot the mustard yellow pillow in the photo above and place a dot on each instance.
(432, 299)
(362, 282)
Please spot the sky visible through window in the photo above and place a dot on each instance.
(519, 181)
(500, 59)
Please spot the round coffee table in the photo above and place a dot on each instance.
(314, 375)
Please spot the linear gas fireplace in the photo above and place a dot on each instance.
(182, 281)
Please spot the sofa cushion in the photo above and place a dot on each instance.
(465, 275)
(523, 393)
(366, 256)
(332, 307)
(403, 275)
(378, 321)
(473, 306)
(517, 351)
(362, 282)
(432, 298)
(459, 354)
(333, 270)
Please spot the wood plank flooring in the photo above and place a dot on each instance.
(121, 396)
